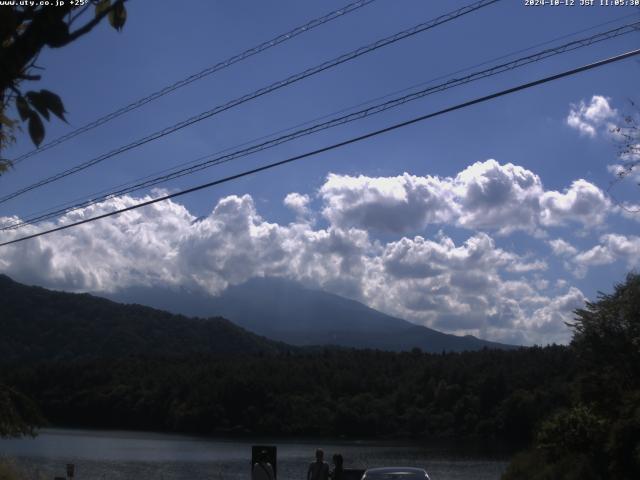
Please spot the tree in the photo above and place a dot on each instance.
(18, 414)
(24, 31)
(598, 437)
(627, 133)
(607, 333)
(577, 430)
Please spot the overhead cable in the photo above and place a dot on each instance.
(334, 146)
(258, 93)
(215, 159)
(197, 76)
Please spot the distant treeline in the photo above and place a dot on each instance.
(489, 394)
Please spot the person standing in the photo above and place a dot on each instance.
(318, 470)
(337, 473)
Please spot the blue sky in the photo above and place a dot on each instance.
(368, 214)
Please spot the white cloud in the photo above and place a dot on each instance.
(589, 118)
(628, 169)
(394, 204)
(617, 169)
(524, 266)
(498, 197)
(631, 151)
(629, 211)
(462, 287)
(548, 321)
(486, 196)
(598, 255)
(562, 248)
(612, 248)
(582, 202)
(598, 117)
(298, 203)
(420, 258)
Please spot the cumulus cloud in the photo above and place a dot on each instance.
(484, 196)
(528, 266)
(548, 321)
(582, 202)
(494, 196)
(562, 248)
(420, 258)
(611, 248)
(591, 117)
(617, 169)
(394, 204)
(462, 287)
(629, 211)
(459, 286)
(598, 117)
(298, 203)
(103, 254)
(629, 168)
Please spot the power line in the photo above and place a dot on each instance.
(198, 76)
(207, 162)
(334, 146)
(258, 93)
(72, 205)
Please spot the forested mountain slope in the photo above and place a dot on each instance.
(40, 324)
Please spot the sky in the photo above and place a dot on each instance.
(497, 220)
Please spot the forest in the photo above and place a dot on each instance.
(490, 393)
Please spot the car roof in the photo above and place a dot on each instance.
(396, 469)
(393, 471)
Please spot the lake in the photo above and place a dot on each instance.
(115, 455)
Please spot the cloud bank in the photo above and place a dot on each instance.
(466, 286)
(485, 195)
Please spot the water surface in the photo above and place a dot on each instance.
(119, 455)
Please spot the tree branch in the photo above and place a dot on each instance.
(91, 24)
(80, 13)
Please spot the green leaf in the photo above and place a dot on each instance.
(36, 128)
(101, 6)
(118, 16)
(23, 107)
(38, 103)
(54, 104)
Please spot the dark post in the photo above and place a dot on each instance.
(272, 455)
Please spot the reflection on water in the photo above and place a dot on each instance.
(146, 456)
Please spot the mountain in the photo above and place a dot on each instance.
(286, 311)
(39, 324)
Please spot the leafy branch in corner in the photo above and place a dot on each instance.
(24, 31)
